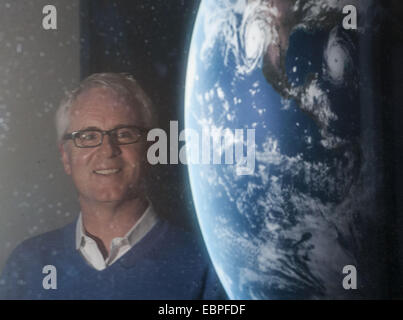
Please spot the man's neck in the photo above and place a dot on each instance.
(106, 221)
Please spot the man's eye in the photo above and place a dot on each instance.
(88, 136)
(125, 134)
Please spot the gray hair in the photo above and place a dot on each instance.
(122, 83)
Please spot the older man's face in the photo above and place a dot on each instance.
(102, 108)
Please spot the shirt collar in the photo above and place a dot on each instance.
(147, 220)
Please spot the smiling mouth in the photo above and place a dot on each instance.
(105, 172)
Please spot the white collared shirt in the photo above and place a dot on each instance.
(119, 246)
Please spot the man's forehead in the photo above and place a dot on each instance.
(100, 100)
(97, 95)
(100, 105)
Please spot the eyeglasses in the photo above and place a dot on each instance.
(91, 138)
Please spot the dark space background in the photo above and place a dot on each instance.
(388, 65)
(150, 40)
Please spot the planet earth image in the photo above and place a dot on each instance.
(293, 73)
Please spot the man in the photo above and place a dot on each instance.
(118, 248)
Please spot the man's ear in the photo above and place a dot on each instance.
(65, 158)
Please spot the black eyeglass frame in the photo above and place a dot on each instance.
(110, 133)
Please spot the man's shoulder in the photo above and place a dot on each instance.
(23, 271)
(168, 242)
(173, 237)
(46, 243)
(182, 254)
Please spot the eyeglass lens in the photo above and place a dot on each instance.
(93, 138)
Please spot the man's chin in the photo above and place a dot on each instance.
(111, 198)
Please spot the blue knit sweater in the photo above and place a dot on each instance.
(166, 264)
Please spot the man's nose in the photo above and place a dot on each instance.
(109, 147)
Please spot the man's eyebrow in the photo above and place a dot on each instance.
(124, 126)
(90, 128)
(116, 127)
